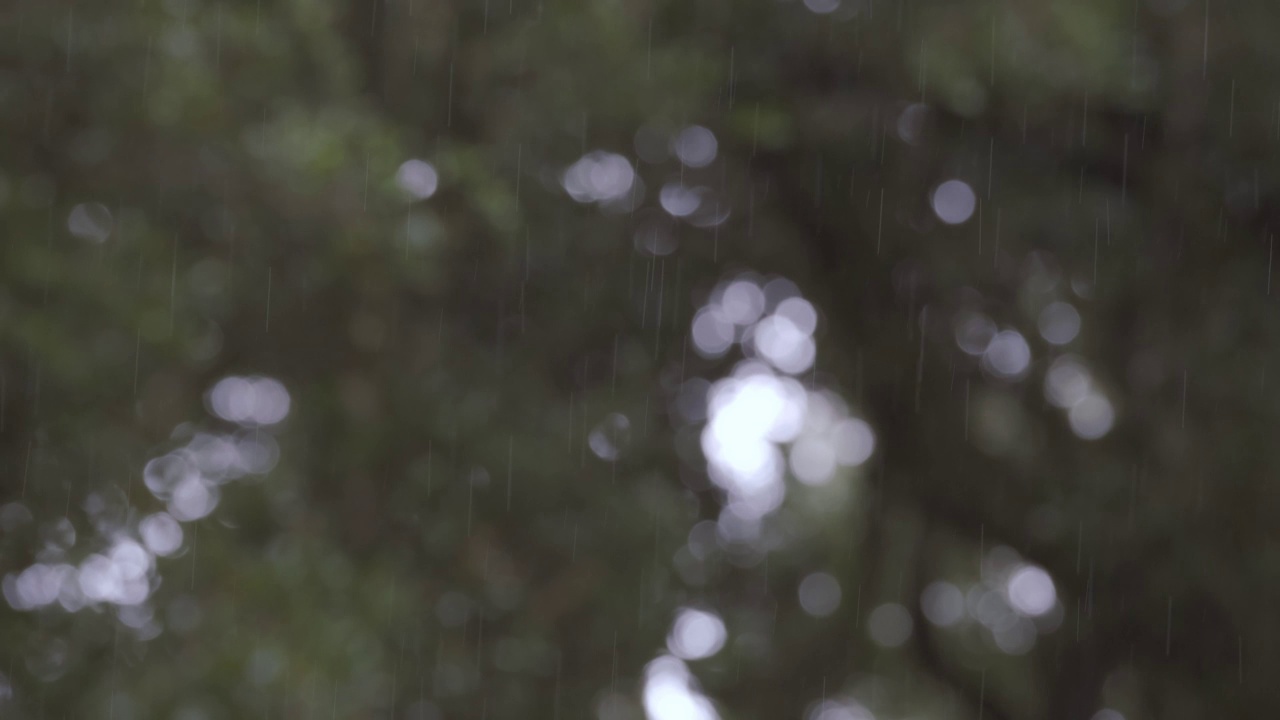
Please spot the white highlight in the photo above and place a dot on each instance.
(1067, 382)
(696, 146)
(743, 302)
(1059, 323)
(1030, 591)
(678, 200)
(696, 634)
(713, 332)
(1092, 417)
(418, 179)
(249, 401)
(161, 533)
(784, 345)
(670, 692)
(1008, 355)
(599, 177)
(954, 202)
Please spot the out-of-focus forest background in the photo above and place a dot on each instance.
(622, 359)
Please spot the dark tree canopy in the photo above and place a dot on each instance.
(822, 359)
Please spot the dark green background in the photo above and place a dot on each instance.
(247, 152)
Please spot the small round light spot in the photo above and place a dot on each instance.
(696, 146)
(1059, 323)
(90, 221)
(890, 625)
(819, 594)
(942, 603)
(418, 179)
(1067, 382)
(954, 202)
(161, 533)
(1092, 417)
(696, 634)
(1008, 355)
(1031, 591)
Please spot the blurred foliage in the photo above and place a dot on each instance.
(438, 539)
